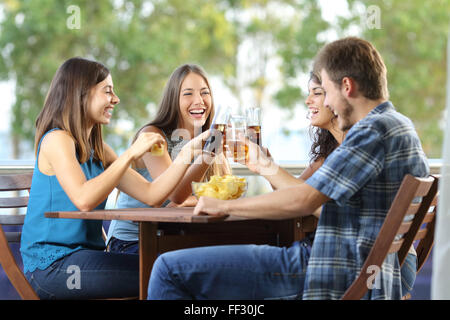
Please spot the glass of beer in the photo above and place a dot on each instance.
(253, 118)
(236, 138)
(215, 142)
(221, 123)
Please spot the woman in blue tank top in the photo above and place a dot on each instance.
(76, 170)
(186, 108)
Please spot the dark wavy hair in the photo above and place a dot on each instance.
(323, 142)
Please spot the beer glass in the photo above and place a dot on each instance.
(218, 130)
(253, 118)
(221, 123)
(236, 138)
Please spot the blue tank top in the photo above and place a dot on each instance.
(129, 230)
(45, 240)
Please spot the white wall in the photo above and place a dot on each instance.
(440, 287)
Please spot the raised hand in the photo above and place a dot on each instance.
(144, 143)
(258, 157)
(194, 147)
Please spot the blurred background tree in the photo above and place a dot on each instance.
(261, 50)
(412, 38)
(141, 42)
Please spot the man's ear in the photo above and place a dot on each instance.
(348, 87)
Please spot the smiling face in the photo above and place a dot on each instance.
(102, 100)
(195, 101)
(335, 100)
(319, 115)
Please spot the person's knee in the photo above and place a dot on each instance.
(160, 267)
(159, 275)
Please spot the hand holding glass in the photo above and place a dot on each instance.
(236, 138)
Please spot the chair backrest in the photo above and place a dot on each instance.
(425, 235)
(8, 183)
(396, 234)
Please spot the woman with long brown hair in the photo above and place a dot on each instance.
(76, 170)
(186, 108)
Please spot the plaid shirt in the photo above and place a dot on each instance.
(361, 177)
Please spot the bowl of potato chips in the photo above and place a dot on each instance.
(225, 187)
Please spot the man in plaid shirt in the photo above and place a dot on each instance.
(356, 186)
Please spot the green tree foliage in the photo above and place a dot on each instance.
(412, 38)
(141, 42)
(299, 42)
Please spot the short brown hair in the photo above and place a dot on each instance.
(357, 59)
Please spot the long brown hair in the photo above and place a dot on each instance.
(66, 104)
(168, 113)
(169, 107)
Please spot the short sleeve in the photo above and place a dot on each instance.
(348, 168)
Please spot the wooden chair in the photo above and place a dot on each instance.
(425, 238)
(394, 225)
(16, 182)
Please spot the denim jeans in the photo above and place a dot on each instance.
(123, 246)
(241, 272)
(88, 274)
(231, 272)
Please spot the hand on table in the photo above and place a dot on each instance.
(210, 206)
(189, 202)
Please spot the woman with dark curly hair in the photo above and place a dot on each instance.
(325, 134)
(324, 131)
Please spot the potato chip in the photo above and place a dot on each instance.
(221, 187)
(157, 150)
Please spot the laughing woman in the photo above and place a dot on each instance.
(76, 170)
(186, 107)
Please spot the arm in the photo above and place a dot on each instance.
(262, 163)
(308, 172)
(296, 201)
(156, 192)
(58, 155)
(156, 166)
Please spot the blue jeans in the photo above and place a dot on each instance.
(231, 272)
(122, 246)
(88, 274)
(241, 272)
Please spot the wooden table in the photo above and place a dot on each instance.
(166, 229)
